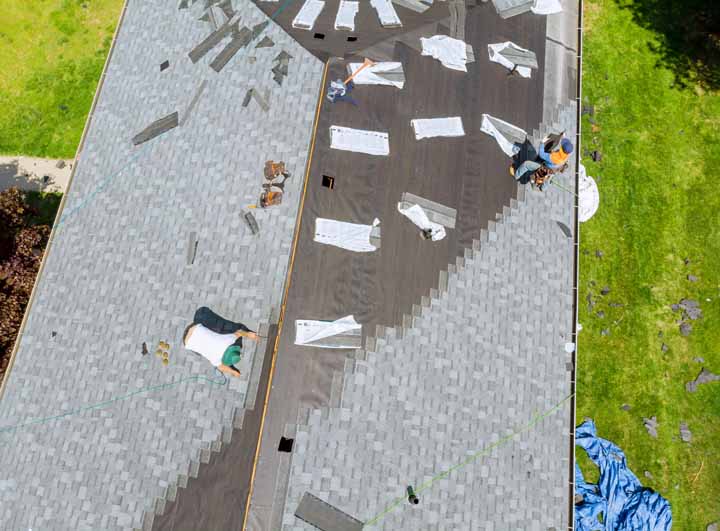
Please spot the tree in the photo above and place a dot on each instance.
(21, 249)
(689, 37)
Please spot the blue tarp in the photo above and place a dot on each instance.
(624, 503)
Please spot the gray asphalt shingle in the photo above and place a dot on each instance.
(117, 272)
(480, 362)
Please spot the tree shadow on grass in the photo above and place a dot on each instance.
(689, 32)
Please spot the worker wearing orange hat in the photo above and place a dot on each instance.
(557, 158)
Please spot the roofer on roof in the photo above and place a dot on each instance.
(553, 155)
(222, 350)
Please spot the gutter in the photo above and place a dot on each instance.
(576, 271)
(54, 228)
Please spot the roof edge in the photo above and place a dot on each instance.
(46, 252)
(576, 267)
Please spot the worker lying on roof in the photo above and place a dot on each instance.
(552, 158)
(222, 350)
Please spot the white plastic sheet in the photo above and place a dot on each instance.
(589, 196)
(308, 332)
(452, 53)
(432, 127)
(546, 7)
(349, 236)
(386, 13)
(499, 130)
(359, 140)
(308, 14)
(496, 56)
(345, 18)
(373, 75)
(417, 215)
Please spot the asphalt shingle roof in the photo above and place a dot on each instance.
(117, 272)
(481, 362)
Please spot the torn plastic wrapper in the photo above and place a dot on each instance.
(589, 196)
(383, 73)
(503, 52)
(508, 136)
(386, 13)
(434, 127)
(308, 14)
(342, 333)
(452, 53)
(349, 236)
(546, 7)
(345, 18)
(359, 140)
(417, 215)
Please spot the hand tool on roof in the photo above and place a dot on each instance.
(339, 88)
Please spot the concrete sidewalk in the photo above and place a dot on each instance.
(35, 174)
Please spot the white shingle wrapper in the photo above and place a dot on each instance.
(546, 7)
(345, 18)
(349, 236)
(308, 14)
(359, 140)
(496, 56)
(433, 127)
(313, 332)
(589, 196)
(417, 215)
(386, 13)
(383, 73)
(452, 53)
(507, 135)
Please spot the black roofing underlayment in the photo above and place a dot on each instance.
(467, 174)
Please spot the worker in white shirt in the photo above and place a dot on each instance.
(222, 350)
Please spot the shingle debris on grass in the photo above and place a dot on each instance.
(692, 278)
(158, 127)
(651, 425)
(625, 407)
(685, 434)
(691, 309)
(590, 301)
(704, 377)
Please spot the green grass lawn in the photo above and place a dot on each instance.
(660, 204)
(51, 57)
